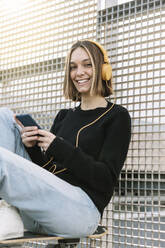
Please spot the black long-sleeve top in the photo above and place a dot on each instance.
(94, 163)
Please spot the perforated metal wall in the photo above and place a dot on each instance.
(34, 39)
(134, 35)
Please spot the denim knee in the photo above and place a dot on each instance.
(6, 115)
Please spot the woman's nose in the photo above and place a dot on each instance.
(80, 70)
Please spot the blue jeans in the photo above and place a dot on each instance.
(46, 203)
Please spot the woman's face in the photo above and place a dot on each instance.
(81, 71)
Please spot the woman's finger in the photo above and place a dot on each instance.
(29, 139)
(43, 132)
(28, 134)
(30, 128)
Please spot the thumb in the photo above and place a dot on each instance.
(17, 121)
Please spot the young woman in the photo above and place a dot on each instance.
(79, 159)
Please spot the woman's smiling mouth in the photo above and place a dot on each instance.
(83, 81)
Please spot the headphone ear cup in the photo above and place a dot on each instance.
(106, 72)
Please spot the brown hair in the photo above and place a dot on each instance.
(99, 86)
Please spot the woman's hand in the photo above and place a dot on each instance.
(45, 139)
(29, 135)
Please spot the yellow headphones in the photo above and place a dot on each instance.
(106, 67)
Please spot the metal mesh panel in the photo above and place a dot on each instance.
(34, 41)
(33, 46)
(134, 35)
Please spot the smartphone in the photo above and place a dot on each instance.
(27, 120)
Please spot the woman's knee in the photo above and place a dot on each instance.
(6, 116)
(6, 111)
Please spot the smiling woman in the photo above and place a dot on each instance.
(73, 180)
(91, 59)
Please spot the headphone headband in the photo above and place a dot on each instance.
(104, 52)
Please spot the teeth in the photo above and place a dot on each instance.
(82, 81)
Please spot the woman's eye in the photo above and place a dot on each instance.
(88, 65)
(72, 67)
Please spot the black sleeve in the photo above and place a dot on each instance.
(36, 155)
(58, 119)
(103, 173)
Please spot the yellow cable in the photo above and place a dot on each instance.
(47, 162)
(91, 123)
(77, 140)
